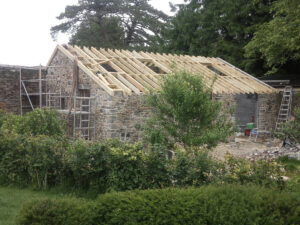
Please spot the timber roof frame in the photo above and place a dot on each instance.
(135, 72)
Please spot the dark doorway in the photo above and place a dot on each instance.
(246, 107)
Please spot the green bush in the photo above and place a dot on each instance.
(157, 168)
(33, 155)
(36, 161)
(32, 148)
(193, 168)
(242, 171)
(184, 112)
(224, 205)
(290, 129)
(115, 166)
(68, 211)
(13, 169)
(43, 122)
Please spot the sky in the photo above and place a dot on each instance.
(25, 29)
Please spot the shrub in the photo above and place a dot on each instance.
(89, 166)
(13, 169)
(193, 168)
(242, 171)
(290, 129)
(44, 158)
(157, 168)
(43, 122)
(48, 212)
(183, 112)
(225, 205)
(36, 161)
(32, 148)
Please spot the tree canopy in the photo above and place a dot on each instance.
(216, 27)
(277, 42)
(111, 23)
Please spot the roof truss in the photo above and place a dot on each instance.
(135, 72)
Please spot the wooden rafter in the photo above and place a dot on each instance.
(135, 72)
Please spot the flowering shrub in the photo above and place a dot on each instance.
(235, 170)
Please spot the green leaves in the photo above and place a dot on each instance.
(216, 28)
(277, 42)
(183, 112)
(112, 23)
(290, 129)
(226, 205)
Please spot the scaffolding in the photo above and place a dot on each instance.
(44, 92)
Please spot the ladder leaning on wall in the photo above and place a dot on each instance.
(285, 107)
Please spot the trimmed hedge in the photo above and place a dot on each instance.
(205, 205)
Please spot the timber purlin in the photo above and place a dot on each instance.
(134, 72)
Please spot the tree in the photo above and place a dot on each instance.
(183, 112)
(112, 23)
(277, 42)
(218, 28)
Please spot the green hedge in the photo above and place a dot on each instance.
(204, 205)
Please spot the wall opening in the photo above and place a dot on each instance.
(245, 109)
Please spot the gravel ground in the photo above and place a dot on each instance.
(243, 147)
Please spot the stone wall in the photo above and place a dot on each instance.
(266, 105)
(117, 116)
(10, 87)
(268, 108)
(228, 102)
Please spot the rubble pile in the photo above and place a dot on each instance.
(273, 153)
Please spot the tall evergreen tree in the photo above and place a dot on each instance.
(111, 23)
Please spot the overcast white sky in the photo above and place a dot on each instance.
(25, 29)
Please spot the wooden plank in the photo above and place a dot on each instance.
(128, 84)
(99, 54)
(134, 82)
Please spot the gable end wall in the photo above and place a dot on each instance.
(120, 117)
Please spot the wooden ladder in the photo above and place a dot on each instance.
(285, 107)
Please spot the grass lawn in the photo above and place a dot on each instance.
(12, 199)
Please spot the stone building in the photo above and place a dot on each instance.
(20, 88)
(101, 90)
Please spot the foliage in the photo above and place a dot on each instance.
(28, 157)
(290, 129)
(277, 41)
(43, 122)
(183, 112)
(13, 169)
(206, 205)
(193, 168)
(38, 122)
(242, 171)
(156, 168)
(292, 167)
(111, 23)
(33, 161)
(32, 148)
(217, 28)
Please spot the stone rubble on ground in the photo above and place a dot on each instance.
(275, 152)
(263, 149)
